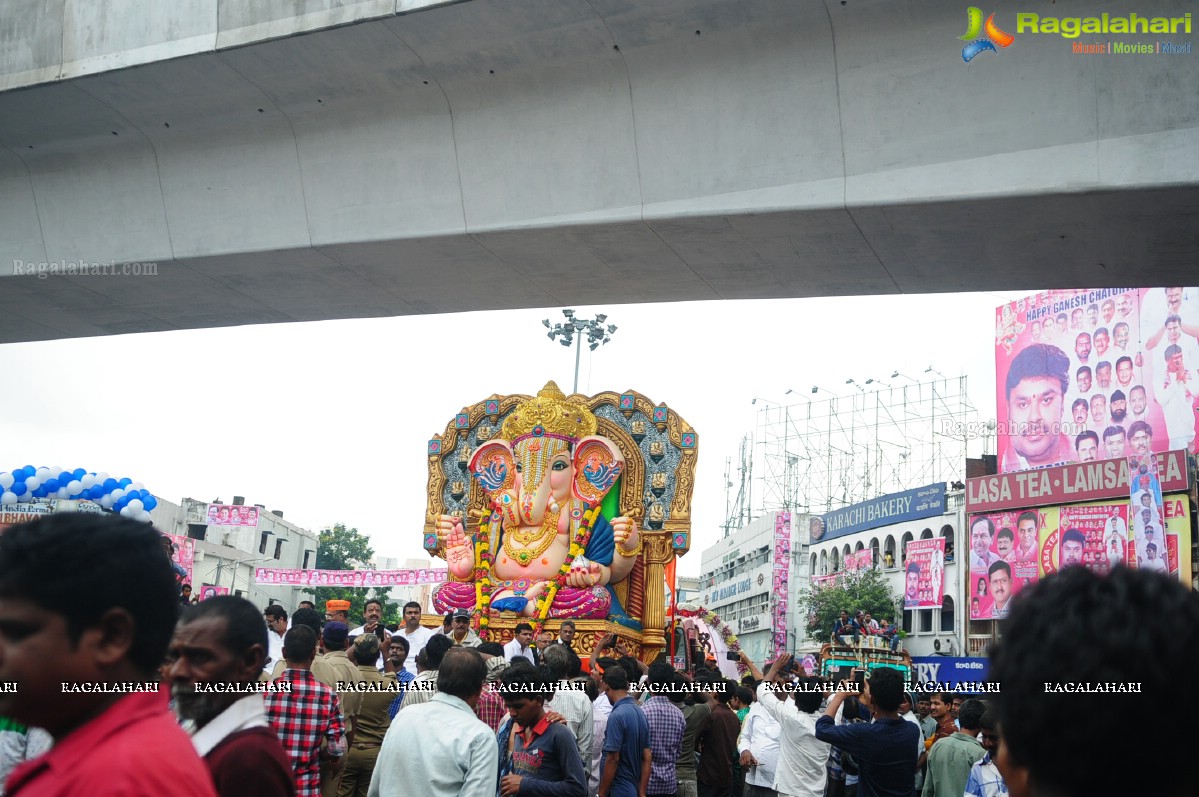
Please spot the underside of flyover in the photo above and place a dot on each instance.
(394, 157)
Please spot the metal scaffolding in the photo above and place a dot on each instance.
(816, 456)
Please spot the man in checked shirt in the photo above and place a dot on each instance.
(306, 715)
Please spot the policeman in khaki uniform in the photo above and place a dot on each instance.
(372, 718)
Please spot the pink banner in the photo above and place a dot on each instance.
(1003, 559)
(1090, 374)
(859, 560)
(779, 580)
(348, 578)
(223, 515)
(182, 555)
(924, 574)
(211, 591)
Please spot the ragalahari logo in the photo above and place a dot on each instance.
(993, 37)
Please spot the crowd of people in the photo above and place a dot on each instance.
(862, 624)
(438, 712)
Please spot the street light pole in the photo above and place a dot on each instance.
(578, 357)
(597, 335)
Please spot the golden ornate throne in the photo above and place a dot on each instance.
(655, 489)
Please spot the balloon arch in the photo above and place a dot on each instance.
(28, 484)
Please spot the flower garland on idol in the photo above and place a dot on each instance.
(485, 558)
(582, 536)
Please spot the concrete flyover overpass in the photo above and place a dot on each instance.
(385, 157)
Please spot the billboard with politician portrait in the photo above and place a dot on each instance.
(1092, 374)
(1004, 550)
(924, 574)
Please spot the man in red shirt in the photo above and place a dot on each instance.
(113, 734)
(223, 641)
(307, 714)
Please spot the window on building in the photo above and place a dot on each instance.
(947, 533)
(279, 548)
(237, 592)
(927, 534)
(262, 543)
(926, 620)
(947, 614)
(197, 531)
(307, 558)
(889, 553)
(907, 621)
(907, 537)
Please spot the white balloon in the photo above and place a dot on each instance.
(143, 516)
(106, 501)
(126, 512)
(54, 471)
(33, 482)
(43, 473)
(136, 505)
(117, 494)
(74, 487)
(6, 480)
(62, 493)
(9, 497)
(138, 486)
(88, 479)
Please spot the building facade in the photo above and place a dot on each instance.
(738, 578)
(226, 556)
(877, 534)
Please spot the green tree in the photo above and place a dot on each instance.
(867, 590)
(349, 549)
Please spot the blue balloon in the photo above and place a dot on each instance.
(125, 482)
(30, 471)
(110, 484)
(51, 485)
(79, 473)
(149, 502)
(19, 488)
(94, 493)
(133, 494)
(65, 477)
(40, 492)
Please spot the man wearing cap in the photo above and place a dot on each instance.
(460, 631)
(371, 722)
(335, 637)
(337, 611)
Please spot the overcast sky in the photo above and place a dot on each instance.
(329, 421)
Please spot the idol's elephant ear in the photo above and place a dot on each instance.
(598, 464)
(493, 466)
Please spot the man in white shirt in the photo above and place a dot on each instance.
(802, 757)
(415, 633)
(276, 627)
(440, 748)
(521, 644)
(372, 613)
(1152, 561)
(1176, 393)
(570, 701)
(758, 745)
(906, 712)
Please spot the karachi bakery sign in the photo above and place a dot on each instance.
(982, 36)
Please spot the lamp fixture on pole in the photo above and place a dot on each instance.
(571, 333)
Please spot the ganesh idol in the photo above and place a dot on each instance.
(544, 477)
